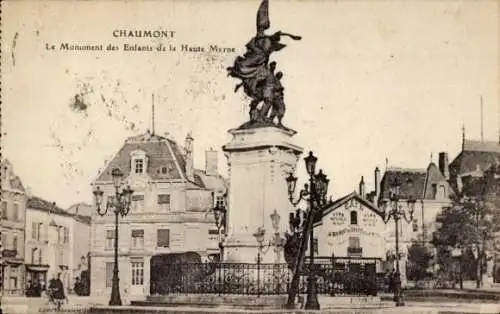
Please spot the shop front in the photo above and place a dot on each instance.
(36, 279)
(12, 273)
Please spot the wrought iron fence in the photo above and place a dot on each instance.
(256, 279)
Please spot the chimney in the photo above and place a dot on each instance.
(211, 162)
(362, 187)
(377, 183)
(189, 157)
(444, 165)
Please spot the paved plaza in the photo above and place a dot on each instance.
(18, 305)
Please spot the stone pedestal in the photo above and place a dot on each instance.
(259, 160)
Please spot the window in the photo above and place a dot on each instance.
(139, 165)
(163, 238)
(354, 217)
(164, 170)
(39, 231)
(59, 235)
(14, 243)
(15, 212)
(110, 239)
(109, 274)
(219, 201)
(33, 255)
(415, 225)
(138, 239)
(13, 282)
(34, 230)
(4, 210)
(137, 203)
(40, 256)
(354, 242)
(164, 202)
(137, 273)
(442, 192)
(315, 245)
(66, 235)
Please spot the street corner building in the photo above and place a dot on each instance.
(57, 242)
(12, 231)
(170, 218)
(350, 235)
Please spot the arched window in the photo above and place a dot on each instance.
(354, 217)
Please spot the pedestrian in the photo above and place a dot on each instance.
(56, 291)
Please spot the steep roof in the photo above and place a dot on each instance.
(475, 156)
(417, 183)
(341, 201)
(39, 203)
(217, 182)
(161, 152)
(412, 182)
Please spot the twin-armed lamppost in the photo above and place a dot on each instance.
(315, 193)
(120, 206)
(220, 222)
(397, 212)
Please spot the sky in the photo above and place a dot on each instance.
(369, 80)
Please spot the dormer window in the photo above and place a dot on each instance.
(138, 162)
(139, 166)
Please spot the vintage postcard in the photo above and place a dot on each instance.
(250, 156)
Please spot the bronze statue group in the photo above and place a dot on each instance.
(257, 75)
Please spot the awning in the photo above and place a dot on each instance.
(37, 268)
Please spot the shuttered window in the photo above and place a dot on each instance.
(110, 239)
(164, 202)
(138, 238)
(137, 203)
(4, 210)
(163, 238)
(34, 230)
(109, 274)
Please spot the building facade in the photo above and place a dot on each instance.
(431, 190)
(351, 230)
(55, 242)
(171, 212)
(474, 161)
(12, 231)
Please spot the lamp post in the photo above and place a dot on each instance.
(277, 241)
(120, 206)
(315, 194)
(220, 222)
(397, 213)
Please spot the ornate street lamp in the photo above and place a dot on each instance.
(315, 193)
(120, 206)
(397, 212)
(220, 222)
